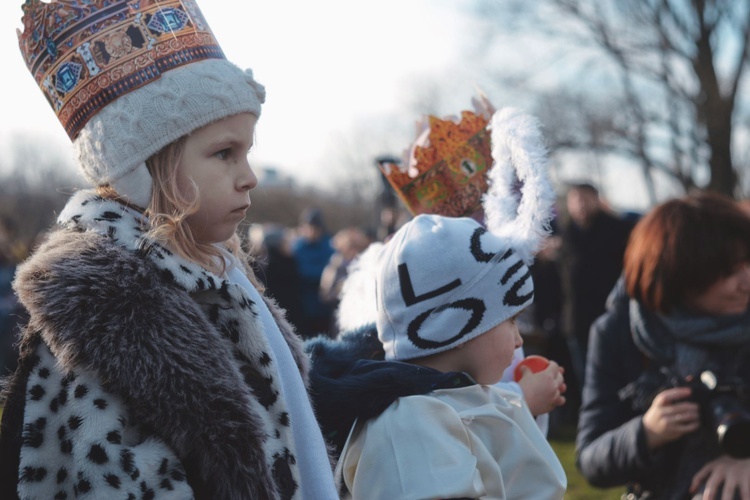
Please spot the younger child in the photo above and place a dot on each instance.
(152, 366)
(448, 292)
(429, 420)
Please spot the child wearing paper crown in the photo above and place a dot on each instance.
(152, 365)
(446, 171)
(429, 421)
(456, 156)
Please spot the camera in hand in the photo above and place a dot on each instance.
(723, 404)
(723, 407)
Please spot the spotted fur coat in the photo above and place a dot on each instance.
(141, 374)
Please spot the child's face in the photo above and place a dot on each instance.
(215, 159)
(488, 355)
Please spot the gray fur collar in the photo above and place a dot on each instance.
(127, 227)
(181, 347)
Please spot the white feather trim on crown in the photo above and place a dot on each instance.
(357, 305)
(518, 151)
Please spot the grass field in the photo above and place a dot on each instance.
(578, 489)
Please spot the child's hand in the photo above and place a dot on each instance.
(544, 390)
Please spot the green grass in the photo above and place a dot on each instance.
(578, 489)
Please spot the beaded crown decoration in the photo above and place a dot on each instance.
(84, 54)
(445, 174)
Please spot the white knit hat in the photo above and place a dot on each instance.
(128, 78)
(114, 145)
(441, 281)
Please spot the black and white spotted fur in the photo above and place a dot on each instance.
(141, 373)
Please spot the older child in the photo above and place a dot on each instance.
(429, 420)
(151, 365)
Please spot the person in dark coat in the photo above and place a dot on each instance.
(593, 241)
(679, 317)
(9, 308)
(276, 268)
(312, 251)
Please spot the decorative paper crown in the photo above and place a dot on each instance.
(446, 170)
(441, 281)
(519, 218)
(86, 54)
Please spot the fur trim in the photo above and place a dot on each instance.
(77, 440)
(146, 349)
(519, 152)
(182, 348)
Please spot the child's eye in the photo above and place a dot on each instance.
(223, 154)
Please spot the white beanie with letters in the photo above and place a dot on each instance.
(441, 281)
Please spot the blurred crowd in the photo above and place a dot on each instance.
(304, 267)
(12, 252)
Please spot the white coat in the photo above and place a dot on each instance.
(474, 442)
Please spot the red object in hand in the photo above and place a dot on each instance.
(534, 363)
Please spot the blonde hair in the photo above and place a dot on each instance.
(170, 208)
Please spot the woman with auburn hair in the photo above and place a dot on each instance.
(665, 409)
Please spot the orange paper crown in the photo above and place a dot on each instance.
(85, 54)
(448, 174)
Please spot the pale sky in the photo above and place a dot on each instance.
(337, 73)
(326, 65)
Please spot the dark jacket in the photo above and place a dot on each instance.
(590, 262)
(350, 380)
(621, 380)
(283, 283)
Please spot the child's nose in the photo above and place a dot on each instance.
(248, 180)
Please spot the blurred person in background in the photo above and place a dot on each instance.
(276, 267)
(665, 407)
(312, 249)
(540, 323)
(592, 244)
(9, 308)
(348, 243)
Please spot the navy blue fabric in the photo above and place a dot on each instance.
(350, 380)
(312, 257)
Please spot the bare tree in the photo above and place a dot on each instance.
(656, 81)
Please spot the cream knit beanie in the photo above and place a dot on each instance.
(113, 146)
(128, 78)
